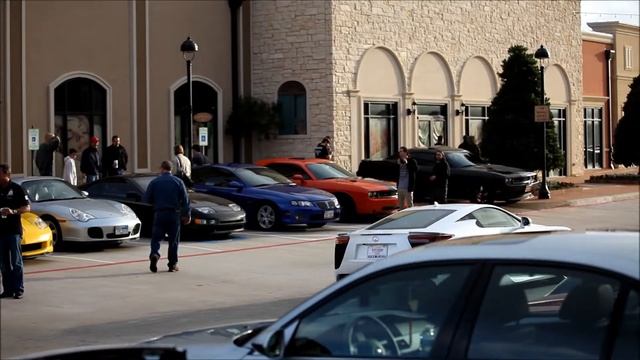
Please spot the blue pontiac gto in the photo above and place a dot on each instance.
(268, 198)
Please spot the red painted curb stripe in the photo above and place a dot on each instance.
(181, 256)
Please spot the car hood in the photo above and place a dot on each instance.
(210, 343)
(295, 191)
(368, 184)
(99, 208)
(214, 202)
(500, 169)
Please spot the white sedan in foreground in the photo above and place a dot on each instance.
(426, 224)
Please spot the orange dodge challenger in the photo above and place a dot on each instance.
(356, 196)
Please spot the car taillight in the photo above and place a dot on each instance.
(419, 239)
(342, 239)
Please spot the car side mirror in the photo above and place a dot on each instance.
(298, 179)
(525, 221)
(274, 346)
(235, 185)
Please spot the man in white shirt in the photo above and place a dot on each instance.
(182, 166)
(70, 175)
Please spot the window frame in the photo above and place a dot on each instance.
(444, 112)
(392, 121)
(468, 118)
(298, 93)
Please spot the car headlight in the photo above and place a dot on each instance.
(39, 223)
(126, 210)
(336, 203)
(508, 180)
(302, 203)
(80, 215)
(235, 207)
(206, 210)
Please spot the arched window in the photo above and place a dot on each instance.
(205, 100)
(80, 106)
(292, 103)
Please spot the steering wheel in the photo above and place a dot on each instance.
(368, 336)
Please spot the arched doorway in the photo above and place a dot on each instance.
(205, 100)
(80, 111)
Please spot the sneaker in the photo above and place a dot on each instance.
(173, 268)
(18, 295)
(153, 266)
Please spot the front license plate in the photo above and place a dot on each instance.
(377, 251)
(122, 230)
(328, 214)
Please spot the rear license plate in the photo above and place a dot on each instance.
(122, 230)
(377, 251)
(328, 214)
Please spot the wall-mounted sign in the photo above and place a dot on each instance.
(202, 117)
(203, 136)
(34, 135)
(542, 113)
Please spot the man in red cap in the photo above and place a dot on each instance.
(90, 161)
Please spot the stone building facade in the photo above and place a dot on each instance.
(368, 62)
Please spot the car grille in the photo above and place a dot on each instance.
(33, 247)
(387, 193)
(95, 233)
(324, 205)
(523, 180)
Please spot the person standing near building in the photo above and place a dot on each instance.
(170, 201)
(198, 158)
(13, 202)
(182, 166)
(44, 156)
(407, 169)
(69, 173)
(90, 161)
(323, 150)
(115, 158)
(440, 178)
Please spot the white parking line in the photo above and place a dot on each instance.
(199, 248)
(81, 258)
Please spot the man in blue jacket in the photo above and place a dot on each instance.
(170, 201)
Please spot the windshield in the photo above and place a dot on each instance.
(143, 182)
(48, 190)
(459, 159)
(260, 176)
(329, 171)
(410, 219)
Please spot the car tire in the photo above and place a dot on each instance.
(347, 207)
(56, 232)
(266, 217)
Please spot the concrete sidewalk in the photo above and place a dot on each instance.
(583, 193)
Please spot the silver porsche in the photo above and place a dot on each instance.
(73, 217)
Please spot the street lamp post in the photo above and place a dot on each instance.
(189, 49)
(542, 55)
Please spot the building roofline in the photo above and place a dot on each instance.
(612, 27)
(597, 37)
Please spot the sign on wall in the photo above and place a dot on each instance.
(542, 113)
(34, 135)
(203, 136)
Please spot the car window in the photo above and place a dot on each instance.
(329, 171)
(49, 190)
(260, 176)
(116, 188)
(212, 176)
(398, 314)
(543, 313)
(627, 345)
(143, 181)
(492, 217)
(459, 159)
(410, 219)
(289, 170)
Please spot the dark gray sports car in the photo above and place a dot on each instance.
(209, 214)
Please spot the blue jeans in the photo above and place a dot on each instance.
(11, 263)
(166, 222)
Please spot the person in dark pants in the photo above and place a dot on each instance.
(13, 202)
(44, 156)
(170, 201)
(90, 161)
(115, 158)
(440, 178)
(407, 170)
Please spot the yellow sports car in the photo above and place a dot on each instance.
(36, 236)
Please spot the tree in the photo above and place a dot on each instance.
(253, 116)
(625, 150)
(510, 136)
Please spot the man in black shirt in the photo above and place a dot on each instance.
(115, 158)
(13, 202)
